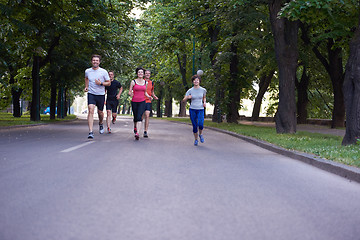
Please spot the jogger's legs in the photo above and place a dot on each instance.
(147, 118)
(90, 118)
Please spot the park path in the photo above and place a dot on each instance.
(56, 184)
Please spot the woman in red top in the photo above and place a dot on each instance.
(138, 92)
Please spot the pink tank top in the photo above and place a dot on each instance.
(139, 92)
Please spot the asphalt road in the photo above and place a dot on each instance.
(57, 184)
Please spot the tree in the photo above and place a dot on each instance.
(49, 31)
(352, 91)
(13, 46)
(334, 66)
(168, 23)
(264, 83)
(285, 37)
(328, 27)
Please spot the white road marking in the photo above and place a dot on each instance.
(76, 147)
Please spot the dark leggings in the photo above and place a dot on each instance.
(138, 110)
(197, 119)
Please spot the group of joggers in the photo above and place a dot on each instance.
(99, 82)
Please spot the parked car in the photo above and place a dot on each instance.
(47, 110)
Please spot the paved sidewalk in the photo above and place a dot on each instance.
(302, 127)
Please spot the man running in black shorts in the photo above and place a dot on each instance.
(112, 100)
(96, 78)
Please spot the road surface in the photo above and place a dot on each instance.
(57, 184)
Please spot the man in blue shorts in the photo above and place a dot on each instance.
(96, 78)
(112, 100)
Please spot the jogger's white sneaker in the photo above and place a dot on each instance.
(91, 135)
(101, 128)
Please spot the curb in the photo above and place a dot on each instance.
(342, 170)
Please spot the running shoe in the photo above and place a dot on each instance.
(109, 130)
(145, 135)
(201, 138)
(91, 135)
(101, 128)
(137, 136)
(196, 142)
(114, 120)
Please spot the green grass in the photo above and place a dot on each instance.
(322, 145)
(7, 119)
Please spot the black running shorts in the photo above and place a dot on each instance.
(148, 107)
(97, 100)
(112, 105)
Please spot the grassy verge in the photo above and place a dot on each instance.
(7, 119)
(322, 145)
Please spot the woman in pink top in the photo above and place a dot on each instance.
(138, 92)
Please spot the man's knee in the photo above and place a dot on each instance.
(91, 109)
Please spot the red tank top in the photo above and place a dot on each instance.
(139, 92)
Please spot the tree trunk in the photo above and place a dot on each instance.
(214, 32)
(352, 91)
(218, 113)
(285, 37)
(263, 86)
(303, 100)
(38, 62)
(234, 88)
(53, 99)
(35, 103)
(66, 103)
(182, 110)
(169, 103)
(334, 67)
(159, 102)
(337, 80)
(60, 103)
(168, 108)
(124, 108)
(16, 93)
(182, 67)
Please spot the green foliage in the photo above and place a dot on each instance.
(173, 28)
(335, 19)
(165, 33)
(82, 27)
